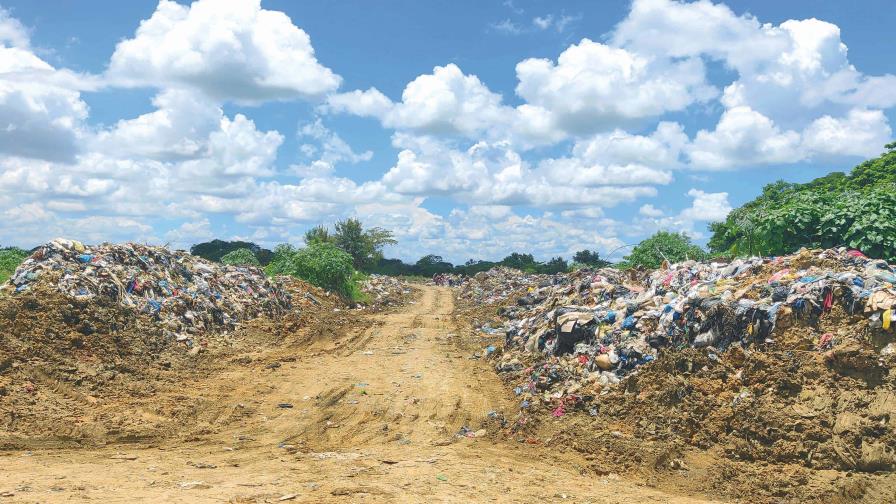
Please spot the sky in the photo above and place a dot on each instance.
(471, 129)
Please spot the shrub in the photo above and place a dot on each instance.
(322, 264)
(673, 247)
(240, 257)
(10, 259)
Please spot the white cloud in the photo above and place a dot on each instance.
(494, 173)
(795, 87)
(368, 103)
(229, 50)
(649, 210)
(860, 133)
(177, 129)
(12, 32)
(447, 102)
(558, 22)
(707, 206)
(40, 116)
(594, 86)
(744, 136)
(190, 233)
(508, 27)
(333, 150)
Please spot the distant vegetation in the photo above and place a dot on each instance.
(857, 210)
(431, 265)
(240, 257)
(215, 250)
(10, 258)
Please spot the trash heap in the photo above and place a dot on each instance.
(497, 284)
(571, 337)
(183, 294)
(384, 290)
(449, 279)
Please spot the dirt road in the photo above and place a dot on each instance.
(369, 417)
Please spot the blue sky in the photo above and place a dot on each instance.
(471, 129)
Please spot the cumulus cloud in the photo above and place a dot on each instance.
(494, 173)
(41, 111)
(332, 149)
(229, 50)
(12, 32)
(705, 207)
(744, 136)
(649, 210)
(593, 86)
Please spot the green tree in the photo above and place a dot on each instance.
(430, 265)
(590, 258)
(555, 265)
(240, 257)
(522, 262)
(318, 234)
(664, 245)
(364, 246)
(854, 210)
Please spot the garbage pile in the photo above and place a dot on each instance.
(449, 279)
(384, 290)
(498, 284)
(183, 294)
(593, 328)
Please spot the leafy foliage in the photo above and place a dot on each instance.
(10, 259)
(365, 246)
(240, 257)
(430, 265)
(321, 264)
(589, 258)
(555, 265)
(663, 245)
(317, 234)
(855, 210)
(215, 250)
(523, 262)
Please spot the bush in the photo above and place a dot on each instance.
(240, 257)
(322, 264)
(10, 259)
(663, 245)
